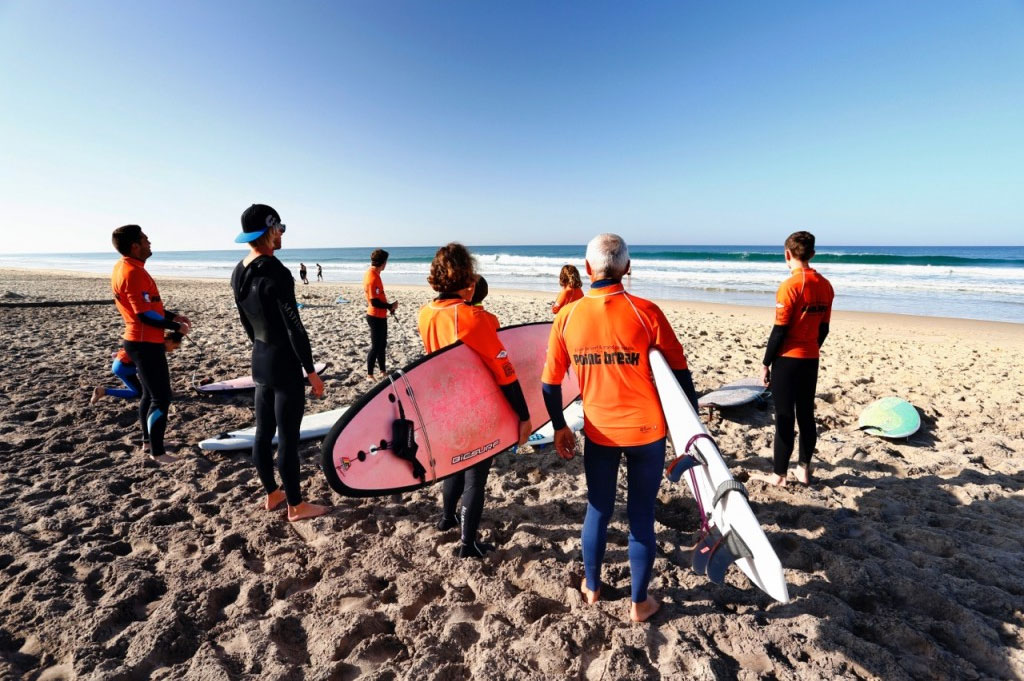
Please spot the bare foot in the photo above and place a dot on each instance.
(772, 479)
(641, 612)
(164, 459)
(304, 511)
(802, 475)
(589, 596)
(97, 393)
(274, 499)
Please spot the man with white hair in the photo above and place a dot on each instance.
(606, 337)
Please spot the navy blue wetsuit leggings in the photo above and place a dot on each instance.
(151, 363)
(793, 384)
(378, 343)
(644, 467)
(279, 408)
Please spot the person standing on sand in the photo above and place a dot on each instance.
(572, 287)
(302, 273)
(377, 308)
(803, 308)
(606, 336)
(145, 319)
(447, 319)
(265, 296)
(319, 272)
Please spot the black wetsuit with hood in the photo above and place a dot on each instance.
(265, 296)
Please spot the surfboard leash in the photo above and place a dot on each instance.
(416, 407)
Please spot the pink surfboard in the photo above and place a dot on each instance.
(459, 413)
(243, 382)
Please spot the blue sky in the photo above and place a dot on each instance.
(399, 123)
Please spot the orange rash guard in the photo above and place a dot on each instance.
(443, 322)
(135, 293)
(606, 337)
(374, 290)
(566, 296)
(803, 303)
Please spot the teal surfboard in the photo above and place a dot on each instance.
(890, 417)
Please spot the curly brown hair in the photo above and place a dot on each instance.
(453, 269)
(570, 276)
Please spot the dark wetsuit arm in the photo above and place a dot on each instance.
(513, 392)
(247, 325)
(822, 333)
(553, 403)
(379, 304)
(685, 380)
(774, 343)
(153, 318)
(296, 333)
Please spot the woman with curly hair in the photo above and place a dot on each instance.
(572, 287)
(445, 320)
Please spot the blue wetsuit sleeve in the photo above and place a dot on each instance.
(513, 392)
(774, 343)
(685, 380)
(822, 333)
(153, 318)
(553, 403)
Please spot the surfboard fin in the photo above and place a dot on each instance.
(704, 549)
(680, 465)
(730, 549)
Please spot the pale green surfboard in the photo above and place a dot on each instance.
(890, 417)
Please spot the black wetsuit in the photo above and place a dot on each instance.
(265, 296)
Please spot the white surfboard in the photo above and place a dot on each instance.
(573, 419)
(244, 382)
(313, 426)
(731, 514)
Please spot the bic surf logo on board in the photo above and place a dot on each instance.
(458, 458)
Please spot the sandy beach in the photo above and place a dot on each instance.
(904, 559)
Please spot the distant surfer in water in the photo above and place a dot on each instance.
(443, 321)
(606, 337)
(803, 308)
(377, 309)
(572, 287)
(145, 320)
(124, 369)
(265, 296)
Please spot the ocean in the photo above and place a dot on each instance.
(966, 282)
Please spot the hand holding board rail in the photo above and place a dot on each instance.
(730, 532)
(436, 417)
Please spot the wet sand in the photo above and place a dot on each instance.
(904, 558)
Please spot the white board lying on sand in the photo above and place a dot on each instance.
(573, 419)
(243, 382)
(721, 498)
(313, 426)
(734, 394)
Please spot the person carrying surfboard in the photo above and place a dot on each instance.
(572, 287)
(445, 320)
(803, 309)
(145, 319)
(265, 297)
(377, 309)
(605, 337)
